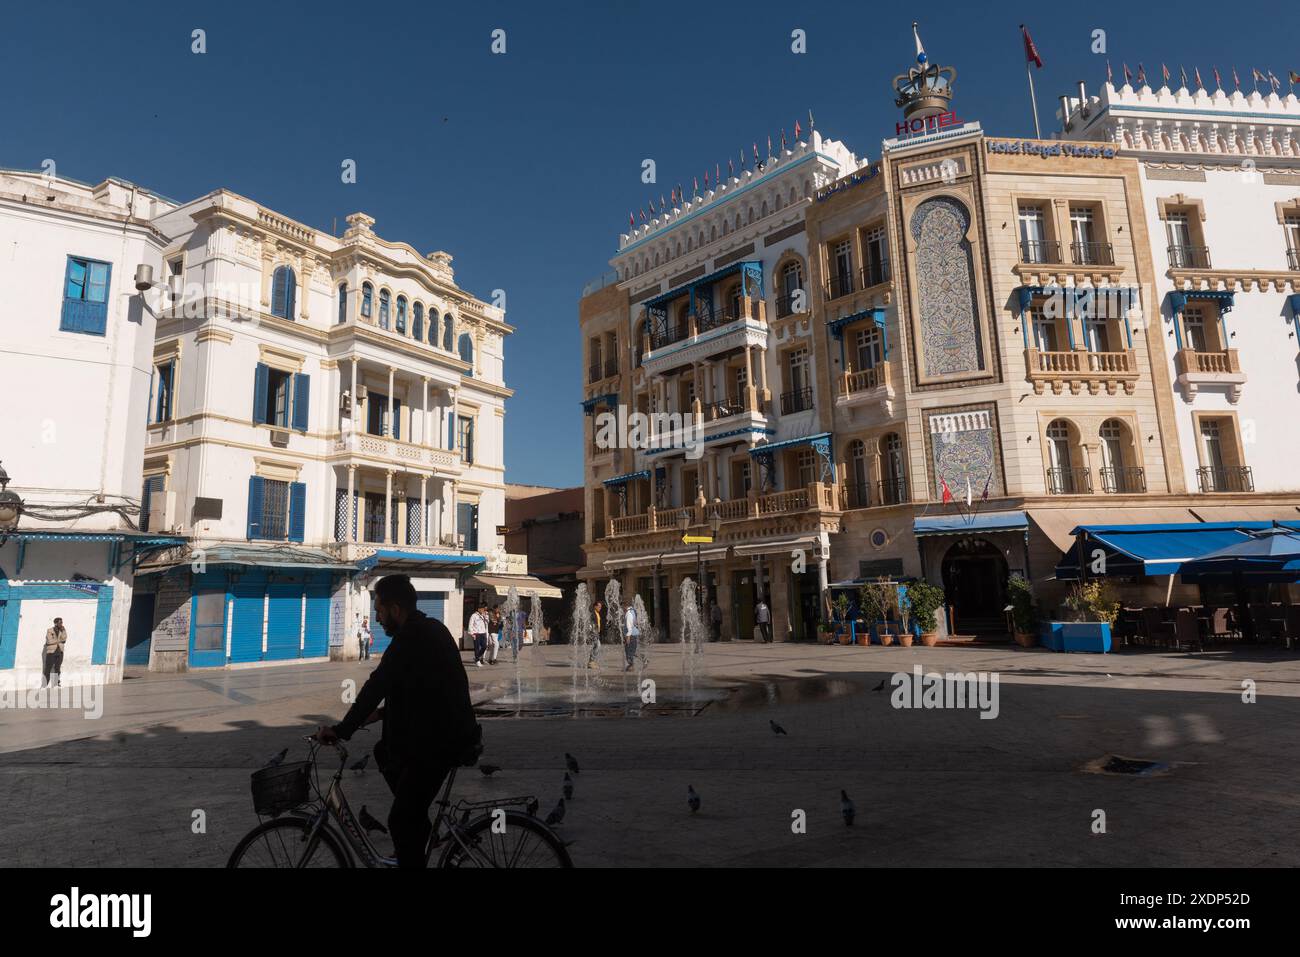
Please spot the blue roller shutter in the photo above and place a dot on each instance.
(301, 400)
(261, 380)
(297, 510)
(316, 641)
(380, 638)
(246, 622)
(432, 603)
(283, 621)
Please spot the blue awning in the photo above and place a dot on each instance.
(402, 560)
(985, 522)
(1293, 301)
(621, 479)
(1139, 550)
(821, 438)
(836, 326)
(137, 538)
(1179, 297)
(708, 280)
(609, 398)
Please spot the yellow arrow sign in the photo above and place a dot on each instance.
(697, 539)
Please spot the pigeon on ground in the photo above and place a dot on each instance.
(278, 760)
(489, 769)
(556, 815)
(881, 686)
(571, 762)
(776, 728)
(369, 823)
(360, 766)
(847, 809)
(531, 807)
(568, 787)
(692, 799)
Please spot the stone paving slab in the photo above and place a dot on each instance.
(932, 787)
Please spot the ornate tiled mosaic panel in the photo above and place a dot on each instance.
(946, 288)
(962, 446)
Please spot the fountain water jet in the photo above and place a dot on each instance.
(694, 634)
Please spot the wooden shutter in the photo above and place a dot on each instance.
(256, 496)
(301, 400)
(261, 380)
(297, 510)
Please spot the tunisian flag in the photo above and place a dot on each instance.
(947, 492)
(1031, 51)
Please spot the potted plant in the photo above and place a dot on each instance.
(1024, 611)
(873, 602)
(924, 600)
(1093, 609)
(841, 605)
(826, 631)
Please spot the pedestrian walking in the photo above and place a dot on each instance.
(56, 638)
(632, 636)
(596, 615)
(494, 635)
(764, 619)
(478, 632)
(715, 621)
(365, 638)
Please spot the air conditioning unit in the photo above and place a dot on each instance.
(361, 393)
(162, 512)
(345, 403)
(280, 438)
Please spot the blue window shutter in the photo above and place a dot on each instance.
(256, 495)
(397, 418)
(301, 400)
(297, 510)
(153, 417)
(261, 379)
(277, 292)
(291, 297)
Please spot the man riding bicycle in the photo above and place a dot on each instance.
(428, 722)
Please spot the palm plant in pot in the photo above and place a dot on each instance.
(841, 605)
(1024, 611)
(872, 601)
(924, 600)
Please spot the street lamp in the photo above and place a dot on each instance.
(11, 506)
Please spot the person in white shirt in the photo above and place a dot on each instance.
(764, 619)
(633, 633)
(478, 631)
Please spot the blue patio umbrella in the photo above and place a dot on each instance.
(1268, 556)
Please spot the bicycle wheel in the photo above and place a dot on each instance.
(281, 843)
(527, 842)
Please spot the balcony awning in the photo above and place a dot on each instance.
(589, 405)
(1178, 298)
(629, 477)
(524, 585)
(1073, 295)
(782, 546)
(819, 440)
(985, 522)
(1293, 301)
(713, 277)
(677, 556)
(269, 555)
(836, 326)
(1143, 550)
(400, 560)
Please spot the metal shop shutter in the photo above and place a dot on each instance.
(246, 622)
(284, 622)
(316, 642)
(431, 603)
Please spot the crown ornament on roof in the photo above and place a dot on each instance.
(926, 89)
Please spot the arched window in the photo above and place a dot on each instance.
(383, 308)
(284, 293)
(737, 226)
(367, 299)
(793, 196)
(435, 324)
(1116, 473)
(465, 346)
(401, 314)
(1062, 477)
(343, 303)
(446, 332)
(713, 232)
(417, 322)
(859, 490)
(893, 474)
(750, 216)
(656, 259)
(764, 212)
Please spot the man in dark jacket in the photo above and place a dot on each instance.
(428, 723)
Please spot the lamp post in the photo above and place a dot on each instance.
(11, 506)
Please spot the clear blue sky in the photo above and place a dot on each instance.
(524, 166)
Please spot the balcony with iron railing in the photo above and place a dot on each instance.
(593, 372)
(1226, 478)
(875, 274)
(815, 497)
(1189, 257)
(1078, 367)
(1293, 260)
(1069, 481)
(892, 491)
(1040, 252)
(611, 367)
(839, 285)
(1092, 254)
(1125, 480)
(785, 304)
(796, 400)
(1195, 369)
(856, 494)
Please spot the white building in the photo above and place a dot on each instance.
(77, 342)
(1220, 178)
(323, 411)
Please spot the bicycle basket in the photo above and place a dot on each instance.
(281, 789)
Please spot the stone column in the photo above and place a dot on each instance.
(388, 509)
(424, 510)
(356, 401)
(388, 426)
(401, 513)
(424, 416)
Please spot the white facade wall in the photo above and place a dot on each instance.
(74, 430)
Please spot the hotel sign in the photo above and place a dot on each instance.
(918, 125)
(1032, 148)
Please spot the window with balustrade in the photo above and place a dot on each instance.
(798, 396)
(875, 256)
(1045, 331)
(401, 315)
(1221, 455)
(384, 302)
(840, 268)
(1184, 234)
(1066, 474)
(805, 467)
(1120, 471)
(858, 476)
(343, 303)
(1088, 245)
(367, 300)
(1291, 229)
(789, 301)
(893, 470)
(868, 349)
(1036, 245)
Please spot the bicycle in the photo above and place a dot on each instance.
(308, 833)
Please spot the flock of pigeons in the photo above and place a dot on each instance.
(847, 810)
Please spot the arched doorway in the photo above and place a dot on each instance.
(975, 583)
